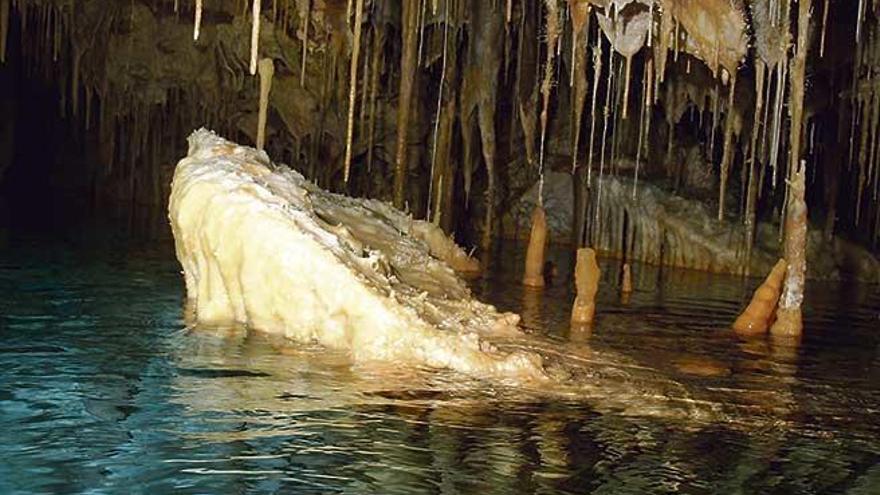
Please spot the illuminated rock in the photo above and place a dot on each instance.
(587, 282)
(761, 311)
(262, 246)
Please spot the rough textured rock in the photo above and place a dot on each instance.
(262, 246)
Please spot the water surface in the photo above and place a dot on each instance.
(106, 389)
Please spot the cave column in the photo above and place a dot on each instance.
(789, 320)
(409, 40)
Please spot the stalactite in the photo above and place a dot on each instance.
(597, 76)
(4, 28)
(409, 42)
(580, 13)
(789, 321)
(824, 29)
(644, 121)
(255, 36)
(352, 90)
(267, 71)
(606, 114)
(534, 270)
(305, 14)
(752, 192)
(552, 33)
(727, 152)
(197, 24)
(375, 71)
(587, 276)
(440, 91)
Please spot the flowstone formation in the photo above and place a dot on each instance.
(261, 246)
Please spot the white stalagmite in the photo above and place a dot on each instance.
(352, 83)
(267, 71)
(262, 246)
(197, 25)
(255, 36)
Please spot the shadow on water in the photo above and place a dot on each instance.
(105, 387)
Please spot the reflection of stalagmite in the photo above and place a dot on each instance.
(761, 311)
(587, 282)
(534, 275)
(626, 284)
(267, 70)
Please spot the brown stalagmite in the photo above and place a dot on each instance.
(407, 78)
(626, 284)
(727, 152)
(789, 320)
(267, 71)
(534, 275)
(761, 311)
(352, 89)
(586, 280)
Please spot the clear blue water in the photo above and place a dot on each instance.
(105, 389)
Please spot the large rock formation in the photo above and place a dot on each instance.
(262, 246)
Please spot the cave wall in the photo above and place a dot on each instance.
(690, 95)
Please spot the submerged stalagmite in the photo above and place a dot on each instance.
(262, 246)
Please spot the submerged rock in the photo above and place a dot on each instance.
(261, 246)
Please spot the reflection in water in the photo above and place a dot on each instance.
(106, 387)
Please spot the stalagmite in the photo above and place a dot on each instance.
(352, 90)
(626, 284)
(4, 28)
(267, 71)
(534, 273)
(407, 79)
(587, 283)
(761, 311)
(260, 246)
(197, 25)
(255, 36)
(789, 321)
